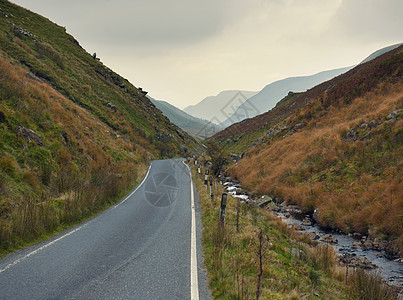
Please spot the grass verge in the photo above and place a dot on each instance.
(41, 218)
(256, 256)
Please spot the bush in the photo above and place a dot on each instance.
(8, 165)
(369, 285)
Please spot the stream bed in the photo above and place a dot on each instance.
(353, 250)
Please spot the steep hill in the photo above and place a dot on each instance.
(220, 107)
(272, 93)
(192, 125)
(335, 149)
(74, 134)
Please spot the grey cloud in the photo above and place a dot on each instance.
(369, 20)
(139, 22)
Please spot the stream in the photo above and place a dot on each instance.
(349, 248)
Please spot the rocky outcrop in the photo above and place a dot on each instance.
(111, 106)
(351, 260)
(312, 236)
(268, 202)
(307, 221)
(163, 137)
(328, 238)
(23, 33)
(29, 135)
(364, 129)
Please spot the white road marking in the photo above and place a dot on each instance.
(144, 179)
(67, 234)
(41, 248)
(194, 286)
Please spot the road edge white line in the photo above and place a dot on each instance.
(194, 285)
(41, 248)
(17, 261)
(144, 179)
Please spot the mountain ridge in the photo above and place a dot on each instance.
(275, 91)
(192, 125)
(217, 108)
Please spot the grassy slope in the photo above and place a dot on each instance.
(346, 158)
(90, 154)
(239, 137)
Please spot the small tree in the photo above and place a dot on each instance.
(219, 157)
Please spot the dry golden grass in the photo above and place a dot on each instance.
(361, 200)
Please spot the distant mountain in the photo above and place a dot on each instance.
(220, 107)
(380, 52)
(267, 98)
(192, 125)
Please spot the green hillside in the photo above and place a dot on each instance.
(75, 135)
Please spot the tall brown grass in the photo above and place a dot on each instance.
(357, 186)
(42, 214)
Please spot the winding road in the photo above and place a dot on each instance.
(145, 247)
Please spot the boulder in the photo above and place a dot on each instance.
(367, 245)
(298, 126)
(184, 148)
(264, 201)
(111, 106)
(312, 235)
(29, 135)
(272, 206)
(298, 227)
(364, 263)
(392, 115)
(162, 137)
(307, 221)
(328, 238)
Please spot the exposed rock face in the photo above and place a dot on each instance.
(22, 32)
(162, 137)
(235, 157)
(364, 129)
(392, 116)
(111, 106)
(29, 135)
(142, 92)
(32, 76)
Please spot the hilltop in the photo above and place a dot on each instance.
(335, 149)
(75, 135)
(194, 126)
(267, 98)
(220, 107)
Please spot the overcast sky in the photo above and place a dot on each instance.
(182, 51)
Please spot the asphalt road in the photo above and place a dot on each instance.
(139, 249)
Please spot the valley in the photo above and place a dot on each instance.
(294, 191)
